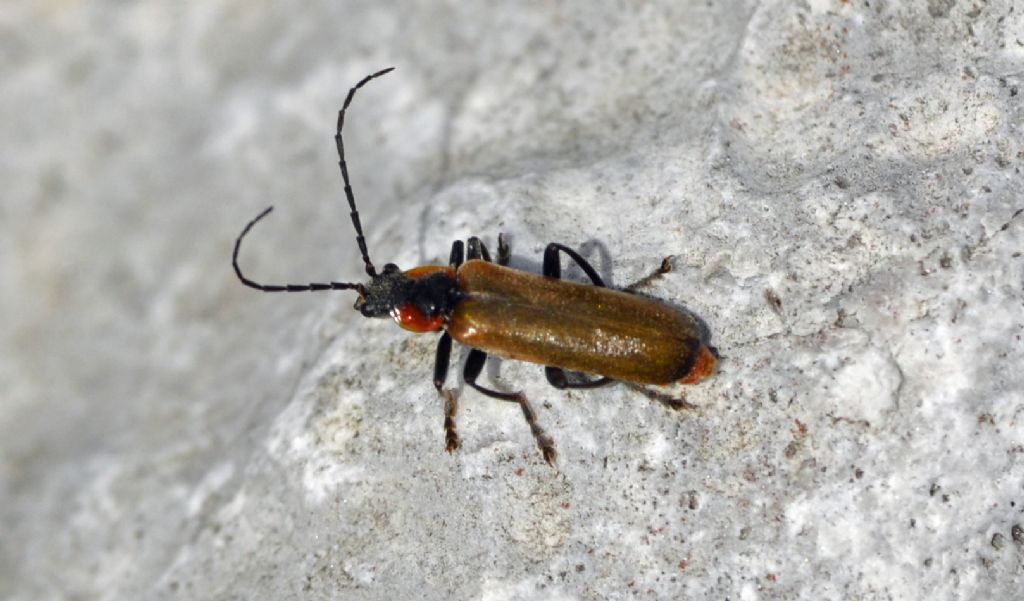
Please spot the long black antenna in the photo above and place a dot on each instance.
(283, 287)
(344, 169)
(360, 239)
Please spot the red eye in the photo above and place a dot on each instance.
(412, 319)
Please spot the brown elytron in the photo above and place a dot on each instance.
(578, 327)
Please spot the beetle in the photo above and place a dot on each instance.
(496, 310)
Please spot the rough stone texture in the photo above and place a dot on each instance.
(840, 183)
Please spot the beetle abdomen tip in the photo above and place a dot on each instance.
(703, 366)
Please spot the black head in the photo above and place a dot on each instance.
(418, 300)
(386, 290)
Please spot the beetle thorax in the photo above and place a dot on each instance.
(418, 300)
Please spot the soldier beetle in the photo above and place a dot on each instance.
(493, 309)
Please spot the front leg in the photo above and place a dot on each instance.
(441, 361)
(456, 256)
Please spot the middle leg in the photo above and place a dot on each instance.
(474, 365)
(477, 250)
(557, 378)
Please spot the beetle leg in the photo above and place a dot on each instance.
(677, 404)
(455, 258)
(553, 269)
(556, 377)
(441, 360)
(474, 365)
(477, 250)
(504, 252)
(665, 267)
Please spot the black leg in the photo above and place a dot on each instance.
(477, 250)
(474, 365)
(504, 252)
(556, 377)
(665, 267)
(553, 269)
(441, 361)
(456, 257)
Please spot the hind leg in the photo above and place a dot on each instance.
(665, 267)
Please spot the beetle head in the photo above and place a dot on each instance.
(386, 290)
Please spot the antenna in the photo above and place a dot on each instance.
(282, 287)
(354, 214)
(370, 270)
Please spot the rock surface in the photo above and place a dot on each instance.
(839, 182)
